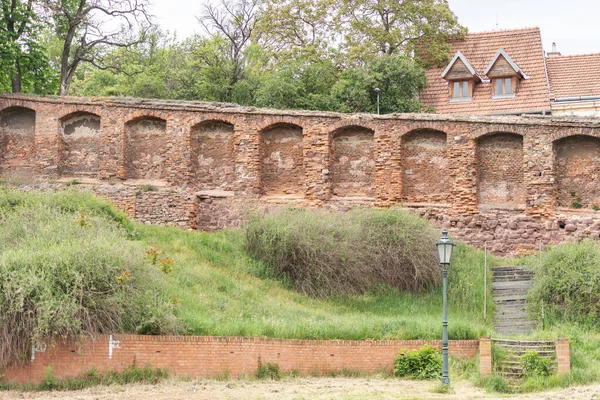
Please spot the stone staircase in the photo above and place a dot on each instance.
(512, 350)
(509, 291)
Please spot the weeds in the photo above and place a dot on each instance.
(131, 374)
(268, 371)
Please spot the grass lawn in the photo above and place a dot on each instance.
(222, 291)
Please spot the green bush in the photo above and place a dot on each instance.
(534, 365)
(268, 371)
(568, 282)
(425, 363)
(67, 272)
(323, 253)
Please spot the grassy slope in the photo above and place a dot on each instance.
(221, 291)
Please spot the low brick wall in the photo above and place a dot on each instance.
(200, 356)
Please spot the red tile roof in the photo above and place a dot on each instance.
(574, 76)
(524, 46)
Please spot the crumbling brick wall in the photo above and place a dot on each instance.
(80, 156)
(147, 148)
(17, 142)
(352, 162)
(282, 158)
(424, 162)
(213, 155)
(500, 169)
(577, 166)
(215, 160)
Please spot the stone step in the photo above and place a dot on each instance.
(514, 285)
(508, 298)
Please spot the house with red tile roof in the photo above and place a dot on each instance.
(501, 72)
(574, 84)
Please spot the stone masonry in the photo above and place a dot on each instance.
(513, 182)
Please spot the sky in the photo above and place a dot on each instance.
(573, 24)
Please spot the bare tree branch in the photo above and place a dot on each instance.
(91, 26)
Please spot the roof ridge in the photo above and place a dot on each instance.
(502, 31)
(574, 56)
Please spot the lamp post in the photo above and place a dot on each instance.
(444, 248)
(377, 90)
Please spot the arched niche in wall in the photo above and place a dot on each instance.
(425, 167)
(352, 166)
(146, 148)
(577, 171)
(500, 170)
(80, 133)
(282, 160)
(17, 142)
(213, 155)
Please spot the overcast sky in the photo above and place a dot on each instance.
(572, 24)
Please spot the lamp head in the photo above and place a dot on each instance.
(444, 248)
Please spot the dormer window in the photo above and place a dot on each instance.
(505, 74)
(461, 78)
(461, 90)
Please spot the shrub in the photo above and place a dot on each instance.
(425, 363)
(66, 273)
(568, 282)
(534, 365)
(268, 371)
(323, 253)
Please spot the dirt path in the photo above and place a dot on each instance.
(296, 389)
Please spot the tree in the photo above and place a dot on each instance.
(399, 79)
(88, 27)
(292, 29)
(22, 60)
(398, 27)
(234, 21)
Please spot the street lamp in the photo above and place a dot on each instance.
(444, 248)
(377, 90)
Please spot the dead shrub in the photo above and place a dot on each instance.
(324, 253)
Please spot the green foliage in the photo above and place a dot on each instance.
(425, 363)
(61, 273)
(534, 365)
(495, 383)
(324, 253)
(22, 56)
(568, 281)
(268, 371)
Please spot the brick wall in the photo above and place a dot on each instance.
(219, 356)
(509, 180)
(500, 169)
(79, 155)
(352, 162)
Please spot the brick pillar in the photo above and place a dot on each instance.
(388, 168)
(247, 156)
(563, 356)
(178, 162)
(317, 149)
(112, 145)
(47, 141)
(485, 356)
(462, 156)
(540, 191)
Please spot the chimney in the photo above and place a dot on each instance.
(553, 53)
